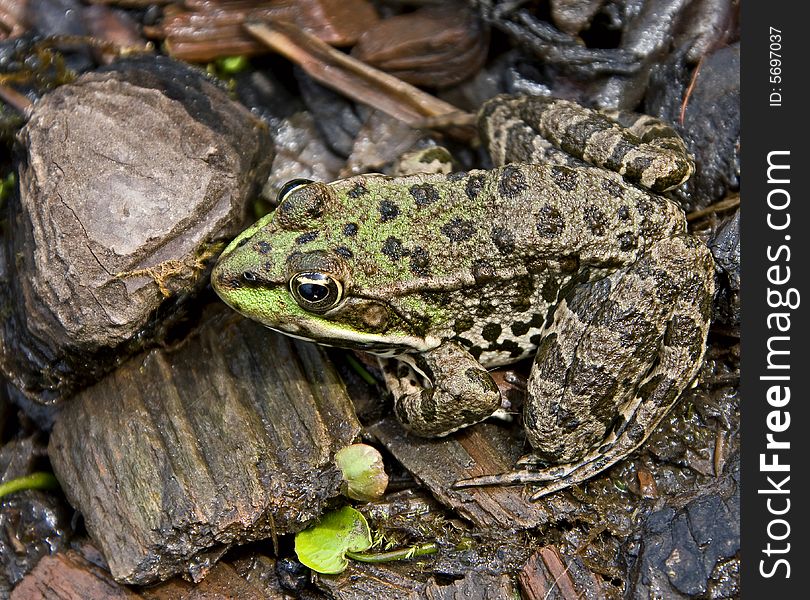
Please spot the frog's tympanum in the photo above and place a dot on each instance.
(568, 253)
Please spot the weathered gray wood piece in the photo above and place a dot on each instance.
(180, 453)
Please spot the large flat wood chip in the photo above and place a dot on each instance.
(181, 453)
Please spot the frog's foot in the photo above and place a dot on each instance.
(555, 477)
(558, 477)
(459, 391)
(638, 418)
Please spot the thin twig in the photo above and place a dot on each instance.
(723, 205)
(689, 90)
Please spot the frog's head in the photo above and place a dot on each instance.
(282, 273)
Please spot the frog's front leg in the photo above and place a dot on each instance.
(460, 391)
(616, 357)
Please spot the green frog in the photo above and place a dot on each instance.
(566, 252)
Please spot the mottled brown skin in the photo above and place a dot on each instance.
(452, 274)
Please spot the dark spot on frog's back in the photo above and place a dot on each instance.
(350, 229)
(420, 262)
(358, 190)
(684, 332)
(519, 328)
(550, 290)
(491, 332)
(306, 237)
(627, 241)
(512, 182)
(623, 213)
(424, 194)
(550, 222)
(503, 239)
(595, 219)
(458, 229)
(388, 211)
(613, 188)
(393, 248)
(644, 207)
(344, 252)
(474, 186)
(666, 287)
(565, 178)
(263, 247)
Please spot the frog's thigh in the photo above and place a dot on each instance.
(617, 356)
(461, 391)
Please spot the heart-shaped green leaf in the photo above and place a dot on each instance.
(323, 546)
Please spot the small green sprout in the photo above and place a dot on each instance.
(364, 476)
(35, 481)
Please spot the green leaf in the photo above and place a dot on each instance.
(323, 546)
(363, 472)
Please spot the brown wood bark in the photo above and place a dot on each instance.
(181, 453)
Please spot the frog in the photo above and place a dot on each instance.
(567, 252)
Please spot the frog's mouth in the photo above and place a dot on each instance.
(275, 308)
(334, 329)
(374, 344)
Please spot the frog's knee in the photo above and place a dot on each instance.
(433, 412)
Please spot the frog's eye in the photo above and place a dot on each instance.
(316, 292)
(289, 187)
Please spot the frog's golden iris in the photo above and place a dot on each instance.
(316, 292)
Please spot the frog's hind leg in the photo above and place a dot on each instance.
(616, 357)
(642, 149)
